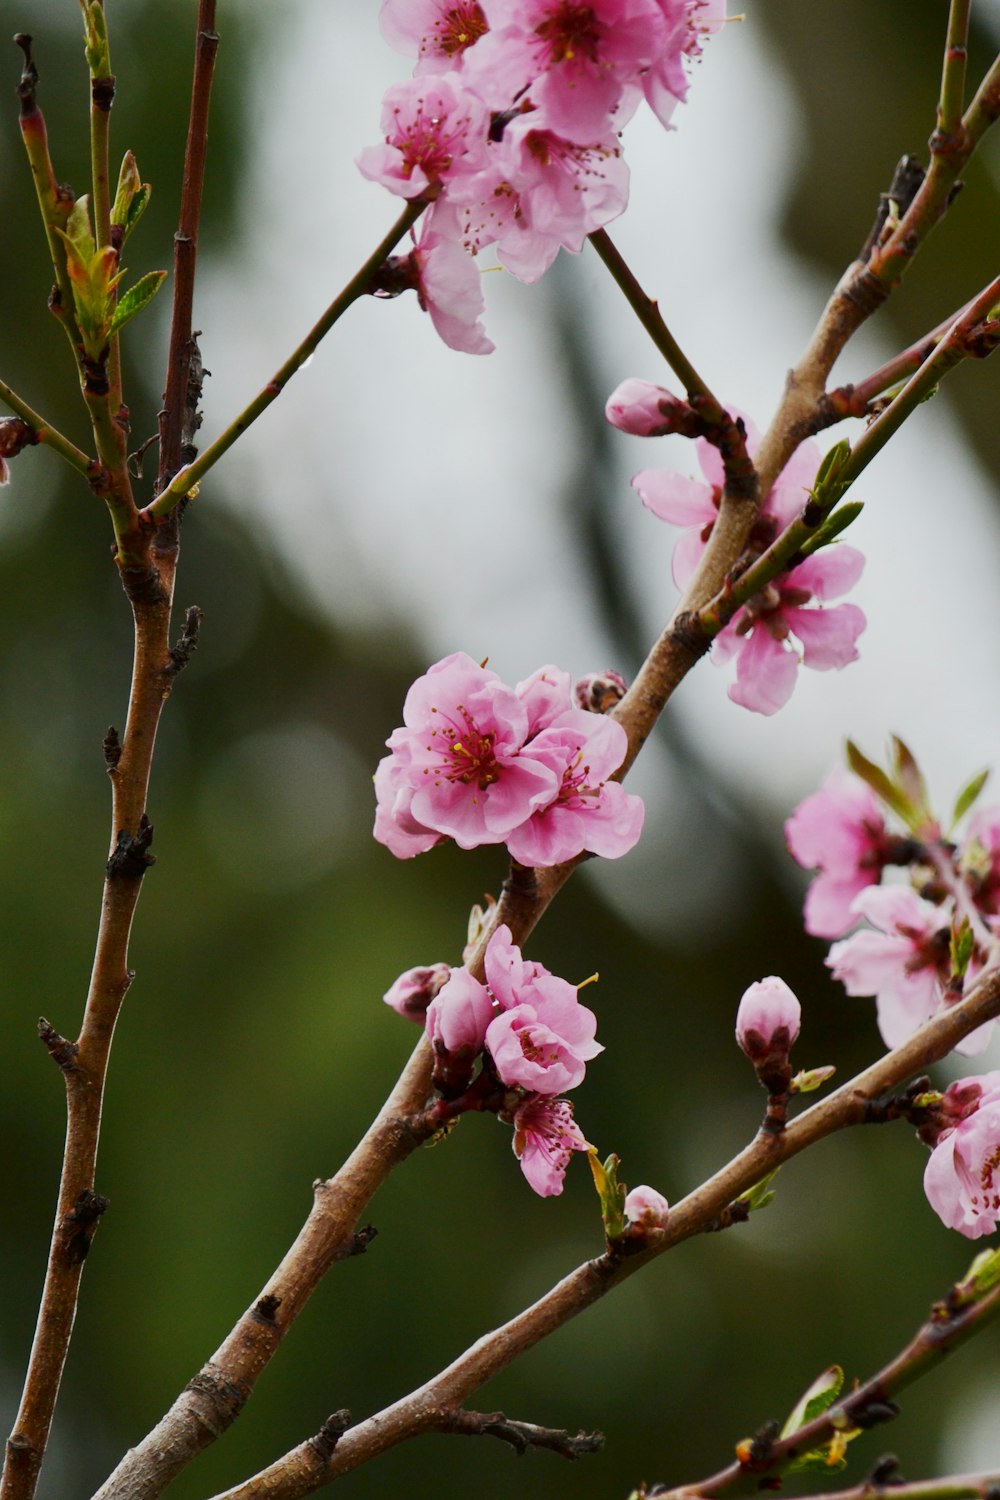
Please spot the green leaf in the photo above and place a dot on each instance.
(833, 526)
(963, 945)
(95, 36)
(136, 209)
(830, 466)
(968, 795)
(136, 298)
(879, 782)
(811, 1079)
(909, 775)
(760, 1195)
(611, 1192)
(813, 1402)
(981, 1277)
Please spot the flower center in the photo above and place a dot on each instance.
(569, 30)
(467, 754)
(459, 27)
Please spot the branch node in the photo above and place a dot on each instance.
(112, 747)
(330, 1434)
(265, 1308)
(79, 1225)
(187, 643)
(61, 1051)
(130, 858)
(359, 1241)
(520, 1435)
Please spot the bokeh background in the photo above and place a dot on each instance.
(399, 502)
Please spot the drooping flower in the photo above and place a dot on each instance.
(839, 831)
(768, 1019)
(435, 130)
(437, 32)
(413, 991)
(759, 635)
(455, 768)
(646, 1208)
(545, 1137)
(905, 964)
(449, 287)
(962, 1178)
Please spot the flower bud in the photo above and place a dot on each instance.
(458, 1016)
(598, 692)
(14, 435)
(768, 1020)
(642, 409)
(645, 1208)
(413, 991)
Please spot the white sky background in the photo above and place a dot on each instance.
(402, 479)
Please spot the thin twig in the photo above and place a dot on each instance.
(49, 435)
(953, 1487)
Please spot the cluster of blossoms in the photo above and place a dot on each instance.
(510, 129)
(528, 1036)
(925, 945)
(925, 941)
(483, 763)
(759, 637)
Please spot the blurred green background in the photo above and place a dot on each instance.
(253, 1046)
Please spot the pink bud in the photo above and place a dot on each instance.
(642, 409)
(458, 1016)
(768, 1019)
(413, 991)
(646, 1208)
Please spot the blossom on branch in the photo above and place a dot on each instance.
(962, 1178)
(545, 1137)
(435, 129)
(645, 1208)
(412, 992)
(438, 32)
(839, 831)
(768, 1019)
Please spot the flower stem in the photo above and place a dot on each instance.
(357, 287)
(46, 433)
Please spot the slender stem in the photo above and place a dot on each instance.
(985, 107)
(648, 312)
(954, 1487)
(946, 1328)
(422, 1409)
(357, 287)
(854, 400)
(54, 202)
(46, 433)
(176, 416)
(956, 57)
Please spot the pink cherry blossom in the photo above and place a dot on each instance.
(575, 60)
(962, 1178)
(449, 287)
(905, 964)
(839, 831)
(459, 1015)
(455, 768)
(759, 634)
(437, 32)
(509, 975)
(545, 1136)
(413, 991)
(768, 1019)
(590, 812)
(646, 1208)
(543, 1043)
(435, 130)
(694, 505)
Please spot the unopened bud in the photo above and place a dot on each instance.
(598, 692)
(768, 1020)
(642, 409)
(14, 435)
(810, 1079)
(413, 991)
(645, 1208)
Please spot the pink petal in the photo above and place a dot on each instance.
(675, 498)
(829, 572)
(765, 674)
(828, 636)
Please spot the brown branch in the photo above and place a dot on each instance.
(421, 1410)
(521, 1435)
(954, 1487)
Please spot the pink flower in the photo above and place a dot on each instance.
(542, 1043)
(758, 635)
(689, 21)
(455, 768)
(590, 812)
(644, 410)
(694, 505)
(840, 831)
(450, 288)
(646, 1208)
(439, 32)
(768, 1019)
(435, 130)
(576, 60)
(413, 991)
(962, 1178)
(458, 1017)
(906, 964)
(545, 1136)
